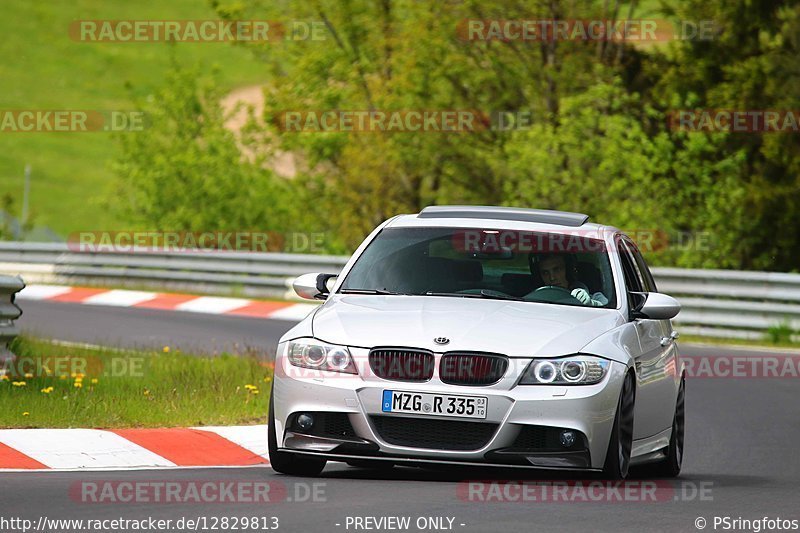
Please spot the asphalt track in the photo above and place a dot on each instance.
(741, 461)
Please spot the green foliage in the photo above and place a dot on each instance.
(599, 141)
(186, 171)
(780, 333)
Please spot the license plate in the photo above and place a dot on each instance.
(434, 404)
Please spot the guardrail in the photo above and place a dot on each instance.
(720, 303)
(9, 311)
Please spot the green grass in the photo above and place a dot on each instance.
(132, 388)
(43, 68)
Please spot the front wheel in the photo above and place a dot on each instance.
(618, 456)
(671, 466)
(287, 462)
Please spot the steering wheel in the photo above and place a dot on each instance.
(555, 294)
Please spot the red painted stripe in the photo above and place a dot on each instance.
(11, 458)
(191, 447)
(77, 294)
(258, 309)
(166, 301)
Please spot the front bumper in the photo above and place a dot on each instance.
(588, 410)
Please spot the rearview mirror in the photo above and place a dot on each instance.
(656, 306)
(316, 286)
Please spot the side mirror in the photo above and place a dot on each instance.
(314, 286)
(655, 305)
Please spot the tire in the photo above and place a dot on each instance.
(287, 462)
(618, 456)
(671, 466)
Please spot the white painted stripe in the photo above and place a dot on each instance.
(80, 448)
(212, 304)
(119, 297)
(253, 438)
(42, 292)
(296, 312)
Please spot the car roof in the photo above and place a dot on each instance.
(508, 218)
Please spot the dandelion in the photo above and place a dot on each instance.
(25, 413)
(62, 377)
(146, 392)
(165, 349)
(94, 381)
(78, 385)
(28, 375)
(250, 387)
(47, 390)
(254, 391)
(4, 377)
(267, 379)
(18, 383)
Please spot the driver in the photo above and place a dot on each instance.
(555, 270)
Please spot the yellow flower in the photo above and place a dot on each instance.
(146, 392)
(78, 379)
(28, 375)
(26, 413)
(250, 387)
(94, 381)
(267, 379)
(4, 377)
(47, 390)
(253, 391)
(62, 376)
(165, 349)
(18, 383)
(78, 385)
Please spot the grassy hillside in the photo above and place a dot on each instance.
(42, 68)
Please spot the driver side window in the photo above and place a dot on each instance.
(633, 283)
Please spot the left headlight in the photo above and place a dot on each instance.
(574, 370)
(311, 353)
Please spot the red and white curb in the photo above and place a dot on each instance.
(216, 305)
(122, 449)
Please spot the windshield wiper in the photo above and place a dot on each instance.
(482, 294)
(367, 291)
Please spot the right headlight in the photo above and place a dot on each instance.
(573, 370)
(311, 353)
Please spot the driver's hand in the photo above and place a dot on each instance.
(582, 296)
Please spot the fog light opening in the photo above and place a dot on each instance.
(567, 438)
(305, 421)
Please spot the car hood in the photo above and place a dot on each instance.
(516, 329)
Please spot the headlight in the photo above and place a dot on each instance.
(574, 370)
(311, 353)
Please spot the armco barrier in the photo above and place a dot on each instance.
(9, 311)
(721, 303)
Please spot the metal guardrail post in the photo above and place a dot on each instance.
(9, 311)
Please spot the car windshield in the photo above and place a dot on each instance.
(566, 269)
